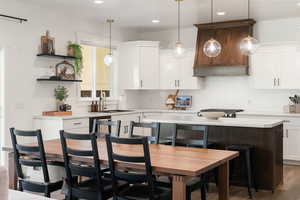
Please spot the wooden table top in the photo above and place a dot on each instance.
(185, 161)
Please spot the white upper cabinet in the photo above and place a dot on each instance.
(276, 67)
(139, 65)
(177, 73)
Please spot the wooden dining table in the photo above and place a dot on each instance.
(179, 163)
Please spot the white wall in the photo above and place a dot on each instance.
(225, 92)
(24, 96)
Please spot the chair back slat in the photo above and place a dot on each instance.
(155, 130)
(130, 159)
(76, 152)
(30, 163)
(31, 149)
(30, 156)
(114, 158)
(92, 171)
(131, 177)
(187, 141)
(86, 171)
(98, 123)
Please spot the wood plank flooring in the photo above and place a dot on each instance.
(289, 191)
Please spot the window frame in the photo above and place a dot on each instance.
(95, 42)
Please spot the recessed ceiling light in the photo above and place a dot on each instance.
(98, 1)
(155, 21)
(221, 13)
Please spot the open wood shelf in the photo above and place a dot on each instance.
(56, 56)
(45, 79)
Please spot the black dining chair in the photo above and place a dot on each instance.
(142, 184)
(195, 183)
(155, 131)
(94, 186)
(112, 126)
(32, 156)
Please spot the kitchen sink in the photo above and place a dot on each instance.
(115, 111)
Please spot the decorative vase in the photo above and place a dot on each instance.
(3, 183)
(71, 51)
(59, 104)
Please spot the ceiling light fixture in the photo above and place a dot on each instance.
(155, 21)
(212, 48)
(221, 13)
(108, 59)
(249, 44)
(98, 2)
(298, 4)
(179, 50)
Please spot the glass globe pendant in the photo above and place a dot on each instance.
(108, 59)
(249, 45)
(178, 50)
(212, 48)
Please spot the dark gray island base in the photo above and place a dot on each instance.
(267, 155)
(264, 135)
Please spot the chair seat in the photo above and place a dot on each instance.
(140, 192)
(90, 187)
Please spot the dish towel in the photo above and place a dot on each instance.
(3, 183)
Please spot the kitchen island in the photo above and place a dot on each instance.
(265, 135)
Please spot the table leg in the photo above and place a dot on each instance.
(223, 181)
(179, 188)
(12, 171)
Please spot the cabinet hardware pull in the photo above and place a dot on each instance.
(287, 133)
(77, 123)
(141, 83)
(175, 83)
(278, 81)
(274, 82)
(178, 83)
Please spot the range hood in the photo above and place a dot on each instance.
(230, 62)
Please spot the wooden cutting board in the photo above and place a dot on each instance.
(56, 113)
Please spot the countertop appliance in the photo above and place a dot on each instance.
(229, 113)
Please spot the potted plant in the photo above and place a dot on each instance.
(74, 49)
(61, 94)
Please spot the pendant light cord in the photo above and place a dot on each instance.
(212, 11)
(110, 51)
(248, 9)
(178, 21)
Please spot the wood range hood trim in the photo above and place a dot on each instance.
(230, 62)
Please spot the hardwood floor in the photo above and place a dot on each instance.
(289, 191)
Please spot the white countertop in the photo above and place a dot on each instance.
(232, 122)
(17, 195)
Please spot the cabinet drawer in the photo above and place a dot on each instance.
(84, 130)
(75, 123)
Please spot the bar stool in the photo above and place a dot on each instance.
(246, 152)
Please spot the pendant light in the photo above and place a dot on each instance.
(108, 59)
(249, 44)
(179, 50)
(212, 48)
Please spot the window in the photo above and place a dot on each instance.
(97, 78)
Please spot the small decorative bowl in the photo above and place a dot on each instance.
(212, 115)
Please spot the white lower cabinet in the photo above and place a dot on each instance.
(125, 123)
(51, 127)
(291, 143)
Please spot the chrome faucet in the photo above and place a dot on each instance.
(102, 101)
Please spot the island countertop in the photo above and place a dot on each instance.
(230, 122)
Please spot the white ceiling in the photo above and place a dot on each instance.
(139, 13)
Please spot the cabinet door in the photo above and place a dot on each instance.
(169, 74)
(187, 80)
(129, 67)
(289, 69)
(291, 149)
(149, 67)
(265, 65)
